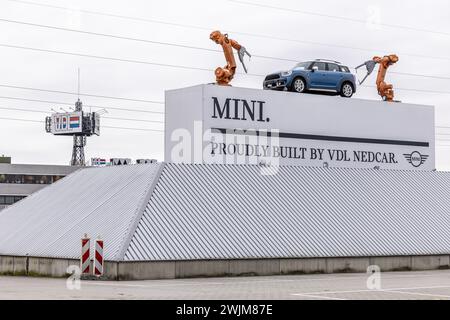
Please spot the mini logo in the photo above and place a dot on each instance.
(416, 159)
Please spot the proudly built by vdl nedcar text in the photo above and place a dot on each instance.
(234, 125)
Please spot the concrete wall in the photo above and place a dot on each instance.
(260, 267)
(13, 265)
(47, 267)
(146, 270)
(20, 189)
(43, 169)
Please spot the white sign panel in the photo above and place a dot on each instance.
(97, 162)
(217, 124)
(66, 123)
(96, 119)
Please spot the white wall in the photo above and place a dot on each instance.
(313, 129)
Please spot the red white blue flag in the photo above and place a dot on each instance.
(74, 122)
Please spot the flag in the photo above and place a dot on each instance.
(74, 122)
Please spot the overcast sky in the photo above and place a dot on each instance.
(352, 39)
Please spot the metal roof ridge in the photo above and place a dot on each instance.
(140, 212)
(309, 167)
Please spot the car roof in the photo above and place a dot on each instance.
(325, 61)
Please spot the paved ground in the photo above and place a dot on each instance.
(394, 285)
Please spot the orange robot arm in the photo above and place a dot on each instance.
(229, 56)
(228, 46)
(226, 74)
(235, 45)
(385, 90)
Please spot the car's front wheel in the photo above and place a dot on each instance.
(298, 85)
(347, 90)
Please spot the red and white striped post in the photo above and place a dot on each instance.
(85, 254)
(98, 261)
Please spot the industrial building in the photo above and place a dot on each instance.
(335, 206)
(18, 181)
(178, 220)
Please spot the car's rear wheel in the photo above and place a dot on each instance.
(347, 90)
(298, 85)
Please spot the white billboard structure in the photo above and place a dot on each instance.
(228, 125)
(67, 123)
(77, 124)
(100, 162)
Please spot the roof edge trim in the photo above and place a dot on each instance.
(140, 211)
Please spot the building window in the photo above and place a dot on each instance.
(28, 179)
(56, 178)
(9, 200)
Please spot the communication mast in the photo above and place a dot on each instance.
(78, 124)
(79, 142)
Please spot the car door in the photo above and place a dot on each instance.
(317, 77)
(334, 76)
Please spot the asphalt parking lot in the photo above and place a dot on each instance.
(394, 285)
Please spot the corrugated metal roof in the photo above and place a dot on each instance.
(98, 201)
(184, 212)
(218, 211)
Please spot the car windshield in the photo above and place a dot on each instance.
(302, 65)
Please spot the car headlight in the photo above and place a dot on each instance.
(286, 73)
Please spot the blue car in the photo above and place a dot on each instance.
(317, 75)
